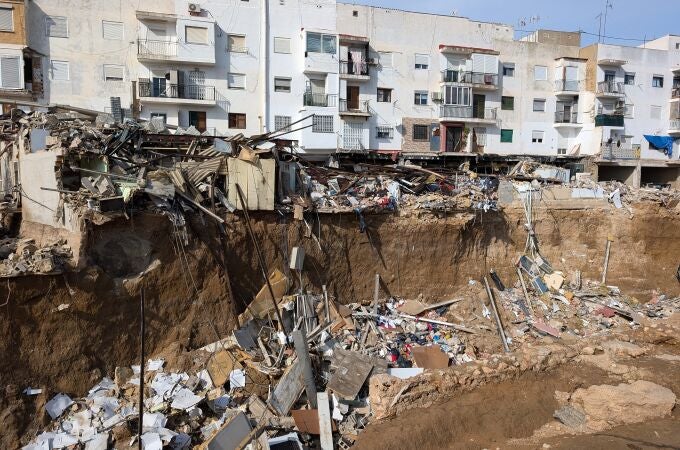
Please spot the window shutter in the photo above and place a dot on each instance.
(196, 35)
(114, 72)
(112, 31)
(490, 64)
(236, 43)
(60, 70)
(571, 73)
(318, 86)
(281, 45)
(385, 59)
(10, 72)
(422, 60)
(6, 19)
(314, 42)
(156, 34)
(236, 80)
(478, 63)
(56, 26)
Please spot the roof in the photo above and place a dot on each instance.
(444, 48)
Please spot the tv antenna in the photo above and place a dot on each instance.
(602, 33)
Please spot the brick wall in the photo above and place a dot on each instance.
(409, 144)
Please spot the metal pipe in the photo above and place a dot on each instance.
(141, 369)
(524, 289)
(300, 342)
(260, 259)
(501, 332)
(606, 260)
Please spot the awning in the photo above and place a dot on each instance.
(664, 143)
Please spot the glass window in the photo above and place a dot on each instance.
(609, 75)
(328, 44)
(422, 61)
(507, 103)
(322, 124)
(420, 98)
(384, 95)
(282, 84)
(657, 81)
(237, 121)
(384, 132)
(508, 70)
(537, 137)
(629, 78)
(506, 136)
(539, 105)
(457, 95)
(314, 42)
(321, 43)
(420, 133)
(282, 123)
(540, 73)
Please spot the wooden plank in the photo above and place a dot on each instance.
(325, 423)
(288, 390)
(351, 372)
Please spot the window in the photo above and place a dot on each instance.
(561, 151)
(386, 59)
(282, 123)
(657, 81)
(56, 26)
(609, 76)
(540, 73)
(629, 78)
(322, 124)
(59, 70)
(457, 95)
(237, 121)
(236, 43)
(161, 117)
(384, 132)
(384, 95)
(420, 133)
(196, 35)
(11, 75)
(629, 111)
(236, 80)
(114, 72)
(198, 120)
(281, 45)
(355, 13)
(6, 18)
(655, 112)
(112, 31)
(506, 136)
(420, 98)
(507, 103)
(422, 61)
(282, 84)
(537, 137)
(539, 105)
(321, 43)
(508, 70)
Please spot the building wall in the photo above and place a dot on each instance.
(18, 36)
(411, 145)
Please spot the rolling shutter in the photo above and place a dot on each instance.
(112, 31)
(281, 45)
(196, 35)
(10, 72)
(6, 19)
(56, 26)
(59, 70)
(114, 72)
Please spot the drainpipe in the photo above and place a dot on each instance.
(264, 63)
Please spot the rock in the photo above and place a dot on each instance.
(122, 375)
(571, 416)
(622, 348)
(608, 406)
(587, 351)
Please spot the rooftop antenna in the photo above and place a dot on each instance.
(608, 4)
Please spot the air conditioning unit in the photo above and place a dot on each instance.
(437, 97)
(194, 8)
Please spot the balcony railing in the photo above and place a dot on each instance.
(566, 117)
(610, 87)
(674, 125)
(359, 107)
(350, 68)
(156, 49)
(675, 93)
(321, 100)
(568, 85)
(467, 112)
(183, 91)
(611, 151)
(458, 76)
(609, 120)
(353, 143)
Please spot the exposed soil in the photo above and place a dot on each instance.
(189, 305)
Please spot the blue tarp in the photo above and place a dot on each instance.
(664, 143)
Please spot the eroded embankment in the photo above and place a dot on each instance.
(188, 300)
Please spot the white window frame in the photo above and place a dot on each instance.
(537, 137)
(236, 49)
(290, 83)
(47, 26)
(286, 44)
(68, 70)
(462, 96)
(656, 77)
(322, 124)
(232, 85)
(117, 66)
(11, 18)
(421, 93)
(424, 63)
(323, 39)
(537, 73)
(386, 59)
(509, 66)
(186, 35)
(542, 101)
(19, 68)
(384, 132)
(282, 123)
(114, 23)
(655, 112)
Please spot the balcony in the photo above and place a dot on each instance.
(476, 79)
(177, 94)
(563, 118)
(467, 114)
(356, 109)
(568, 87)
(610, 89)
(153, 50)
(609, 120)
(320, 100)
(674, 127)
(614, 151)
(354, 71)
(675, 93)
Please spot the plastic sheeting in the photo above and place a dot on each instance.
(664, 143)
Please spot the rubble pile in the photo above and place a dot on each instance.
(23, 257)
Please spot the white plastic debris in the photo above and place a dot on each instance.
(57, 405)
(152, 441)
(155, 364)
(185, 399)
(237, 379)
(32, 391)
(98, 442)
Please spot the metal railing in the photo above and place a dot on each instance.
(184, 91)
(675, 93)
(611, 87)
(467, 112)
(362, 107)
(609, 120)
(674, 124)
(156, 49)
(614, 150)
(459, 76)
(353, 143)
(348, 68)
(321, 100)
(568, 85)
(566, 117)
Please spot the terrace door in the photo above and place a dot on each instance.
(352, 97)
(478, 104)
(454, 136)
(198, 120)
